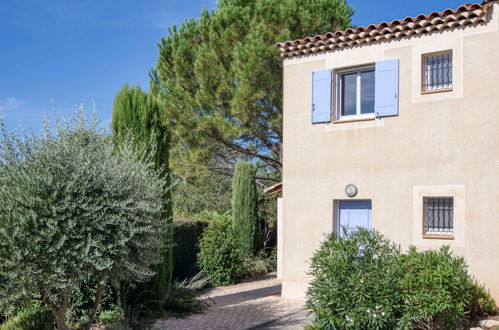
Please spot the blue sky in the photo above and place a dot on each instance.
(59, 53)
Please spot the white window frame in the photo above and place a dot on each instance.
(339, 92)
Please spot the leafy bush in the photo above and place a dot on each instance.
(108, 316)
(260, 264)
(74, 207)
(355, 282)
(437, 289)
(482, 304)
(34, 317)
(219, 256)
(362, 281)
(186, 235)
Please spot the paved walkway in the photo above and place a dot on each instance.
(253, 304)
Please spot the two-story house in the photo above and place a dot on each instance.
(394, 127)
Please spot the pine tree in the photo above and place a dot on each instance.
(140, 115)
(220, 78)
(245, 207)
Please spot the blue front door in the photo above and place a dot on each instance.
(354, 214)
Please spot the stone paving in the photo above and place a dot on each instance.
(253, 304)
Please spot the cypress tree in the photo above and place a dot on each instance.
(245, 207)
(140, 115)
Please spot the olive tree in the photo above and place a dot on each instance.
(74, 207)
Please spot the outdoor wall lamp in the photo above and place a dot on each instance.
(351, 190)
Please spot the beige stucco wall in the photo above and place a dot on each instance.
(445, 143)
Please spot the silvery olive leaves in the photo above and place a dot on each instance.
(74, 206)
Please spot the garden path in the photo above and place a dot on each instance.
(252, 304)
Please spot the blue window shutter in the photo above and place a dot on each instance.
(321, 96)
(386, 101)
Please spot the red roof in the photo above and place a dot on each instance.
(467, 14)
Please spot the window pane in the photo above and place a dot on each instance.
(349, 95)
(438, 71)
(367, 90)
(439, 215)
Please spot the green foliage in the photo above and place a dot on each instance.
(220, 78)
(186, 296)
(219, 256)
(245, 208)
(267, 208)
(362, 281)
(262, 263)
(186, 234)
(210, 194)
(482, 304)
(355, 282)
(35, 317)
(437, 289)
(119, 325)
(82, 301)
(73, 207)
(108, 316)
(140, 116)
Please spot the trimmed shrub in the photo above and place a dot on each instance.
(362, 281)
(219, 256)
(35, 317)
(245, 208)
(355, 282)
(186, 235)
(437, 289)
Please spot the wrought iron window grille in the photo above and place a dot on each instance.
(437, 71)
(438, 215)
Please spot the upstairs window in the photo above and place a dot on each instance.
(360, 92)
(437, 72)
(355, 91)
(438, 213)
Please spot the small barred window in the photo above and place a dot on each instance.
(438, 215)
(437, 72)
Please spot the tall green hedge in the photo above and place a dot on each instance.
(186, 233)
(245, 208)
(219, 256)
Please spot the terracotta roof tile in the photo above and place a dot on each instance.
(467, 14)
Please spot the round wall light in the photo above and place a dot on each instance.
(351, 190)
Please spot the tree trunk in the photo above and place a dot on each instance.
(60, 318)
(93, 312)
(59, 313)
